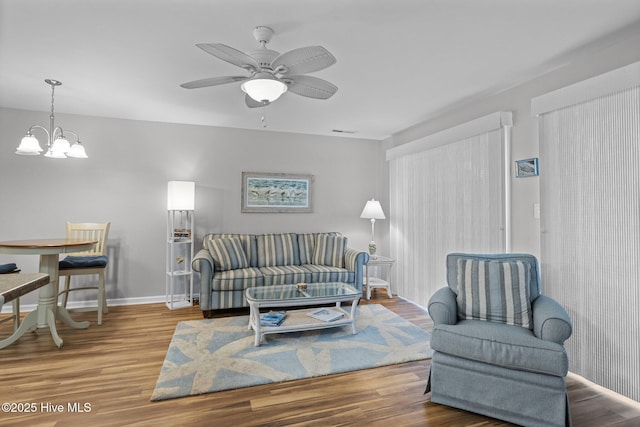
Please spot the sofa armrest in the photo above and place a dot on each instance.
(550, 320)
(354, 260)
(203, 264)
(442, 307)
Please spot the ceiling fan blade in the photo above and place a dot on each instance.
(213, 81)
(311, 87)
(252, 103)
(231, 55)
(304, 60)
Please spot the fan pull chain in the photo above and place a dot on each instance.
(263, 118)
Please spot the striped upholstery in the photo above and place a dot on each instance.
(284, 275)
(329, 250)
(227, 253)
(325, 273)
(497, 291)
(306, 243)
(241, 278)
(248, 244)
(277, 249)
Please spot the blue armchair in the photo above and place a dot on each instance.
(498, 343)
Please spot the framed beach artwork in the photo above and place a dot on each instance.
(276, 192)
(527, 167)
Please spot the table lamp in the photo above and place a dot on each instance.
(372, 210)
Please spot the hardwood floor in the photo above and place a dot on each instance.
(113, 368)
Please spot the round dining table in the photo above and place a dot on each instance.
(48, 309)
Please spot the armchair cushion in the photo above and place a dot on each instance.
(329, 250)
(496, 291)
(227, 253)
(502, 345)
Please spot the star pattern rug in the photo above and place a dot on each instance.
(212, 355)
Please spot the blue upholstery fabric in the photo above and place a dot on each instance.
(500, 370)
(241, 278)
(329, 250)
(277, 249)
(248, 244)
(83, 261)
(8, 268)
(284, 275)
(501, 345)
(227, 253)
(326, 273)
(497, 291)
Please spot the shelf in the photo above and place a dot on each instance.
(179, 273)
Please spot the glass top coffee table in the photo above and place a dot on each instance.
(311, 294)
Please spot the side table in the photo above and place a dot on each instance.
(382, 280)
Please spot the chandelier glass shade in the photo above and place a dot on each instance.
(58, 146)
(264, 87)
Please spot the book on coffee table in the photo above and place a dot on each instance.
(326, 314)
(273, 318)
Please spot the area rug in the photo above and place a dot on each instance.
(212, 355)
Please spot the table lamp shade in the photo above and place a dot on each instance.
(372, 210)
(181, 196)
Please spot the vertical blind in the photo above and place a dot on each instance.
(590, 224)
(449, 198)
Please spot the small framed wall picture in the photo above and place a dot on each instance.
(527, 167)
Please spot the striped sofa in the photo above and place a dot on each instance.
(230, 263)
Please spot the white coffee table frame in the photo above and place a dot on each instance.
(281, 296)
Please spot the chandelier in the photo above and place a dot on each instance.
(58, 146)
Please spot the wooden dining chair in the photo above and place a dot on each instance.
(85, 263)
(11, 268)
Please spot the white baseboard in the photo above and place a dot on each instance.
(8, 307)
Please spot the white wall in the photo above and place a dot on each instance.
(613, 52)
(124, 181)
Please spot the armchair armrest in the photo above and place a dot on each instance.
(443, 308)
(203, 264)
(355, 260)
(550, 320)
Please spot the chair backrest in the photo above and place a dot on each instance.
(534, 277)
(89, 231)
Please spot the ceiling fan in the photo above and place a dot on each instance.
(270, 73)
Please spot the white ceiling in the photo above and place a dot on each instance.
(399, 61)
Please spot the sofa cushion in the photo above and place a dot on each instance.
(329, 250)
(495, 291)
(277, 249)
(227, 253)
(500, 344)
(238, 279)
(284, 275)
(326, 273)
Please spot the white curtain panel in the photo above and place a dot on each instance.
(590, 224)
(444, 199)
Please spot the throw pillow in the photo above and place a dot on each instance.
(227, 253)
(496, 291)
(329, 250)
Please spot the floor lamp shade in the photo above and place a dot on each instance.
(181, 196)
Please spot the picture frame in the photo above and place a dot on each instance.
(527, 167)
(264, 192)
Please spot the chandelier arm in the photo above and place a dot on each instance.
(42, 128)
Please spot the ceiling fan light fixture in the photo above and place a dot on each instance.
(264, 87)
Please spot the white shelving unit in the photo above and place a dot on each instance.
(179, 286)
